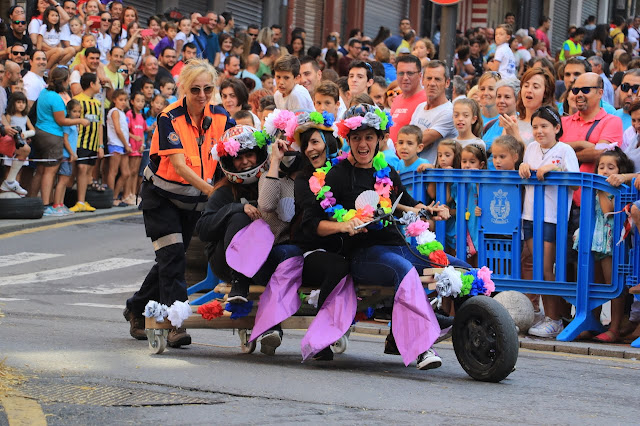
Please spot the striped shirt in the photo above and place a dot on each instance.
(88, 137)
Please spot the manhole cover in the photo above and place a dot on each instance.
(104, 395)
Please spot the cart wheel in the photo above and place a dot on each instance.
(246, 346)
(341, 345)
(485, 339)
(157, 340)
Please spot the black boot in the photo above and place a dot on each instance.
(390, 347)
(239, 290)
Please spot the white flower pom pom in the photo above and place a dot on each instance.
(426, 237)
(178, 312)
(313, 298)
(448, 282)
(155, 310)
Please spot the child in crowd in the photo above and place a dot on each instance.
(118, 144)
(65, 172)
(167, 89)
(137, 128)
(16, 115)
(290, 95)
(171, 30)
(49, 38)
(543, 155)
(151, 113)
(473, 157)
(267, 82)
(149, 91)
(408, 146)
(226, 44)
(265, 106)
(17, 112)
(507, 153)
(244, 117)
(504, 60)
(609, 163)
(327, 98)
(449, 157)
(184, 36)
(393, 91)
(467, 118)
(88, 40)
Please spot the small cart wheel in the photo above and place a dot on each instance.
(341, 345)
(485, 339)
(246, 346)
(157, 340)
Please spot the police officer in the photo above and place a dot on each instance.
(175, 189)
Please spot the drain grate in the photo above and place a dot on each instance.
(103, 395)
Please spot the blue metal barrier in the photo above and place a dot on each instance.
(500, 196)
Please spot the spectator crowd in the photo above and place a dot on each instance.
(83, 83)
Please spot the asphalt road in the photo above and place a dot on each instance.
(62, 292)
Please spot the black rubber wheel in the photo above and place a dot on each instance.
(21, 208)
(485, 339)
(97, 199)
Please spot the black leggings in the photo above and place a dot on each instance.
(324, 270)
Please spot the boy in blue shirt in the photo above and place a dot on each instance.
(408, 146)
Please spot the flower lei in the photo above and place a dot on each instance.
(336, 211)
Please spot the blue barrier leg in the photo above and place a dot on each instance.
(584, 320)
(636, 343)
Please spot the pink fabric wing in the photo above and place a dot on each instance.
(250, 248)
(280, 299)
(333, 319)
(414, 324)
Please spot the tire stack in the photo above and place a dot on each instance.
(97, 199)
(21, 208)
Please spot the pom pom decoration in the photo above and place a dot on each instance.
(232, 147)
(155, 310)
(210, 310)
(239, 310)
(416, 228)
(439, 257)
(313, 298)
(178, 312)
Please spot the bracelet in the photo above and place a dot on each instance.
(101, 147)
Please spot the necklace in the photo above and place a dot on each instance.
(544, 153)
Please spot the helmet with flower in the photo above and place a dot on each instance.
(235, 142)
(364, 116)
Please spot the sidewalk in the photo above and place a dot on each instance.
(12, 225)
(623, 350)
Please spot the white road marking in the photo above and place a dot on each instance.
(10, 299)
(97, 305)
(24, 257)
(73, 271)
(106, 289)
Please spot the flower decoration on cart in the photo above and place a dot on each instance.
(176, 313)
(450, 282)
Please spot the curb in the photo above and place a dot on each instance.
(623, 351)
(12, 225)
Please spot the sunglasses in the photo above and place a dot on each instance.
(394, 92)
(206, 89)
(626, 86)
(18, 53)
(253, 35)
(585, 90)
(106, 19)
(20, 22)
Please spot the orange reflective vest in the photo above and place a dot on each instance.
(175, 133)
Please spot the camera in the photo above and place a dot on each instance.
(20, 142)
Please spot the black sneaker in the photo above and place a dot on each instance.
(428, 360)
(239, 291)
(178, 337)
(136, 325)
(324, 355)
(269, 341)
(390, 347)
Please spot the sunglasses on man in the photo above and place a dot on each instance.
(585, 90)
(18, 53)
(626, 86)
(20, 22)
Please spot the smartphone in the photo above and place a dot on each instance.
(147, 32)
(95, 22)
(203, 20)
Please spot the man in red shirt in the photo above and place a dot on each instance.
(590, 125)
(409, 76)
(543, 29)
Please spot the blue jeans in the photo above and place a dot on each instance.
(388, 265)
(278, 254)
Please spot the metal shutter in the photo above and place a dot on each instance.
(589, 7)
(309, 15)
(533, 13)
(246, 12)
(560, 24)
(145, 8)
(187, 7)
(384, 13)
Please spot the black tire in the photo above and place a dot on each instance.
(97, 199)
(21, 208)
(485, 339)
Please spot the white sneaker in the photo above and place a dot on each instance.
(269, 342)
(428, 360)
(547, 328)
(538, 317)
(13, 187)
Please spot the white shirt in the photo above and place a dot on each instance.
(104, 44)
(633, 37)
(341, 109)
(52, 38)
(565, 158)
(439, 119)
(298, 100)
(33, 85)
(112, 136)
(34, 26)
(184, 38)
(65, 32)
(477, 141)
(507, 61)
(631, 147)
